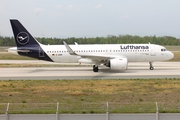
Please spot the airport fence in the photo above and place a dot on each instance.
(85, 111)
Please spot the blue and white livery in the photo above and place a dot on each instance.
(114, 56)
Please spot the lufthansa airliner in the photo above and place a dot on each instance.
(114, 56)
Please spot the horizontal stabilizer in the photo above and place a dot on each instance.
(14, 49)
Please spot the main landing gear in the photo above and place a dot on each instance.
(151, 66)
(95, 68)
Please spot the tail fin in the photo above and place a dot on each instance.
(22, 36)
(26, 44)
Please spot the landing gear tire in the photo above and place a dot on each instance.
(95, 68)
(151, 66)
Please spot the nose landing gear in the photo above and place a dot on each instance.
(151, 66)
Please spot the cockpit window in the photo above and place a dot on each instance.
(163, 49)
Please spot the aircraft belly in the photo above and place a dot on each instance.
(139, 57)
(65, 59)
(131, 57)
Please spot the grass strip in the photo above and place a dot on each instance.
(90, 96)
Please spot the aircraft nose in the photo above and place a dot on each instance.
(170, 55)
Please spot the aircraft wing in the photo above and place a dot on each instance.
(92, 56)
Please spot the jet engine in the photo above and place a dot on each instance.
(117, 64)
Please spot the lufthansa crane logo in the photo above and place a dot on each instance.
(22, 38)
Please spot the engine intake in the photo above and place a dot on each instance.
(118, 64)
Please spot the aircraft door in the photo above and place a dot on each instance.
(152, 50)
(41, 52)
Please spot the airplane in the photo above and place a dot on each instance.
(114, 56)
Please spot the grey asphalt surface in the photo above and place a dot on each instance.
(135, 70)
(144, 116)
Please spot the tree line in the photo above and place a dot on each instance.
(110, 39)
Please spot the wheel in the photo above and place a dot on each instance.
(95, 68)
(151, 68)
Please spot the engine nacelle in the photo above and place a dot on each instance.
(118, 64)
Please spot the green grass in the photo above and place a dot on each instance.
(173, 48)
(90, 96)
(10, 56)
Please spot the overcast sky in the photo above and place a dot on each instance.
(92, 18)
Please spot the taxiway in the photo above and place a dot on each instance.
(135, 70)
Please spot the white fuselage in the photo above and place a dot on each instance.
(133, 52)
